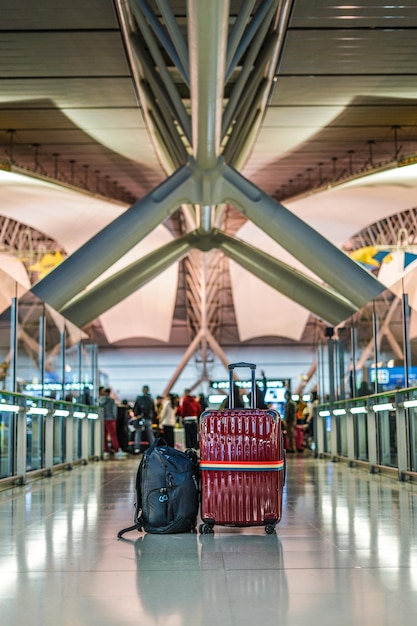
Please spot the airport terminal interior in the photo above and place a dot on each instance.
(185, 184)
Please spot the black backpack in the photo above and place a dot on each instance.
(166, 490)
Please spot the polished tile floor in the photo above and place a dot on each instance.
(345, 554)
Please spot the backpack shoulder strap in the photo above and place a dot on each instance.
(126, 530)
(138, 506)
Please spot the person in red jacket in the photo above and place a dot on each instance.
(190, 410)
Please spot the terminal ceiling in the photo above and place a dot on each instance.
(251, 108)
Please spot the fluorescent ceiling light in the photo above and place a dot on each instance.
(92, 416)
(79, 414)
(358, 409)
(61, 413)
(216, 398)
(10, 408)
(339, 412)
(324, 413)
(383, 407)
(410, 403)
(37, 410)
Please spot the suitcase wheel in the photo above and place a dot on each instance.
(205, 529)
(270, 529)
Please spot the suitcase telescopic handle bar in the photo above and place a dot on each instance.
(233, 366)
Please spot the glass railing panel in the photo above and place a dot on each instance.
(342, 435)
(35, 434)
(360, 426)
(79, 414)
(61, 413)
(413, 438)
(383, 406)
(339, 419)
(410, 405)
(8, 411)
(387, 438)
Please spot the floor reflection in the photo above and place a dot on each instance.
(345, 552)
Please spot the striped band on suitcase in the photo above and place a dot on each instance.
(245, 466)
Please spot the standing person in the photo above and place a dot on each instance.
(168, 419)
(144, 408)
(260, 393)
(189, 411)
(124, 413)
(107, 403)
(202, 401)
(237, 399)
(159, 403)
(301, 406)
(309, 419)
(290, 420)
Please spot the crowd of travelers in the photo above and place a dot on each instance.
(129, 428)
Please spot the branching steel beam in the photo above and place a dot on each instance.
(318, 299)
(101, 251)
(248, 81)
(163, 36)
(176, 37)
(109, 292)
(135, 61)
(261, 18)
(303, 242)
(166, 79)
(237, 33)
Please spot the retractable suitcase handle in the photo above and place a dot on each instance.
(233, 366)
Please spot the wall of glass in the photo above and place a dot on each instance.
(42, 354)
(42, 435)
(377, 430)
(48, 392)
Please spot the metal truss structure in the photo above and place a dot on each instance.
(203, 115)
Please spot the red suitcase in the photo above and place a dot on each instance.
(242, 465)
(299, 438)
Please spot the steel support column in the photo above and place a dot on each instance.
(207, 37)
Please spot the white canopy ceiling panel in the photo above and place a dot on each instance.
(14, 281)
(402, 280)
(392, 269)
(159, 237)
(69, 217)
(253, 319)
(128, 138)
(15, 269)
(72, 218)
(250, 233)
(149, 311)
(261, 311)
(341, 212)
(285, 129)
(146, 313)
(75, 334)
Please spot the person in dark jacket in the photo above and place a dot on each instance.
(124, 413)
(237, 399)
(290, 420)
(190, 410)
(107, 403)
(144, 409)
